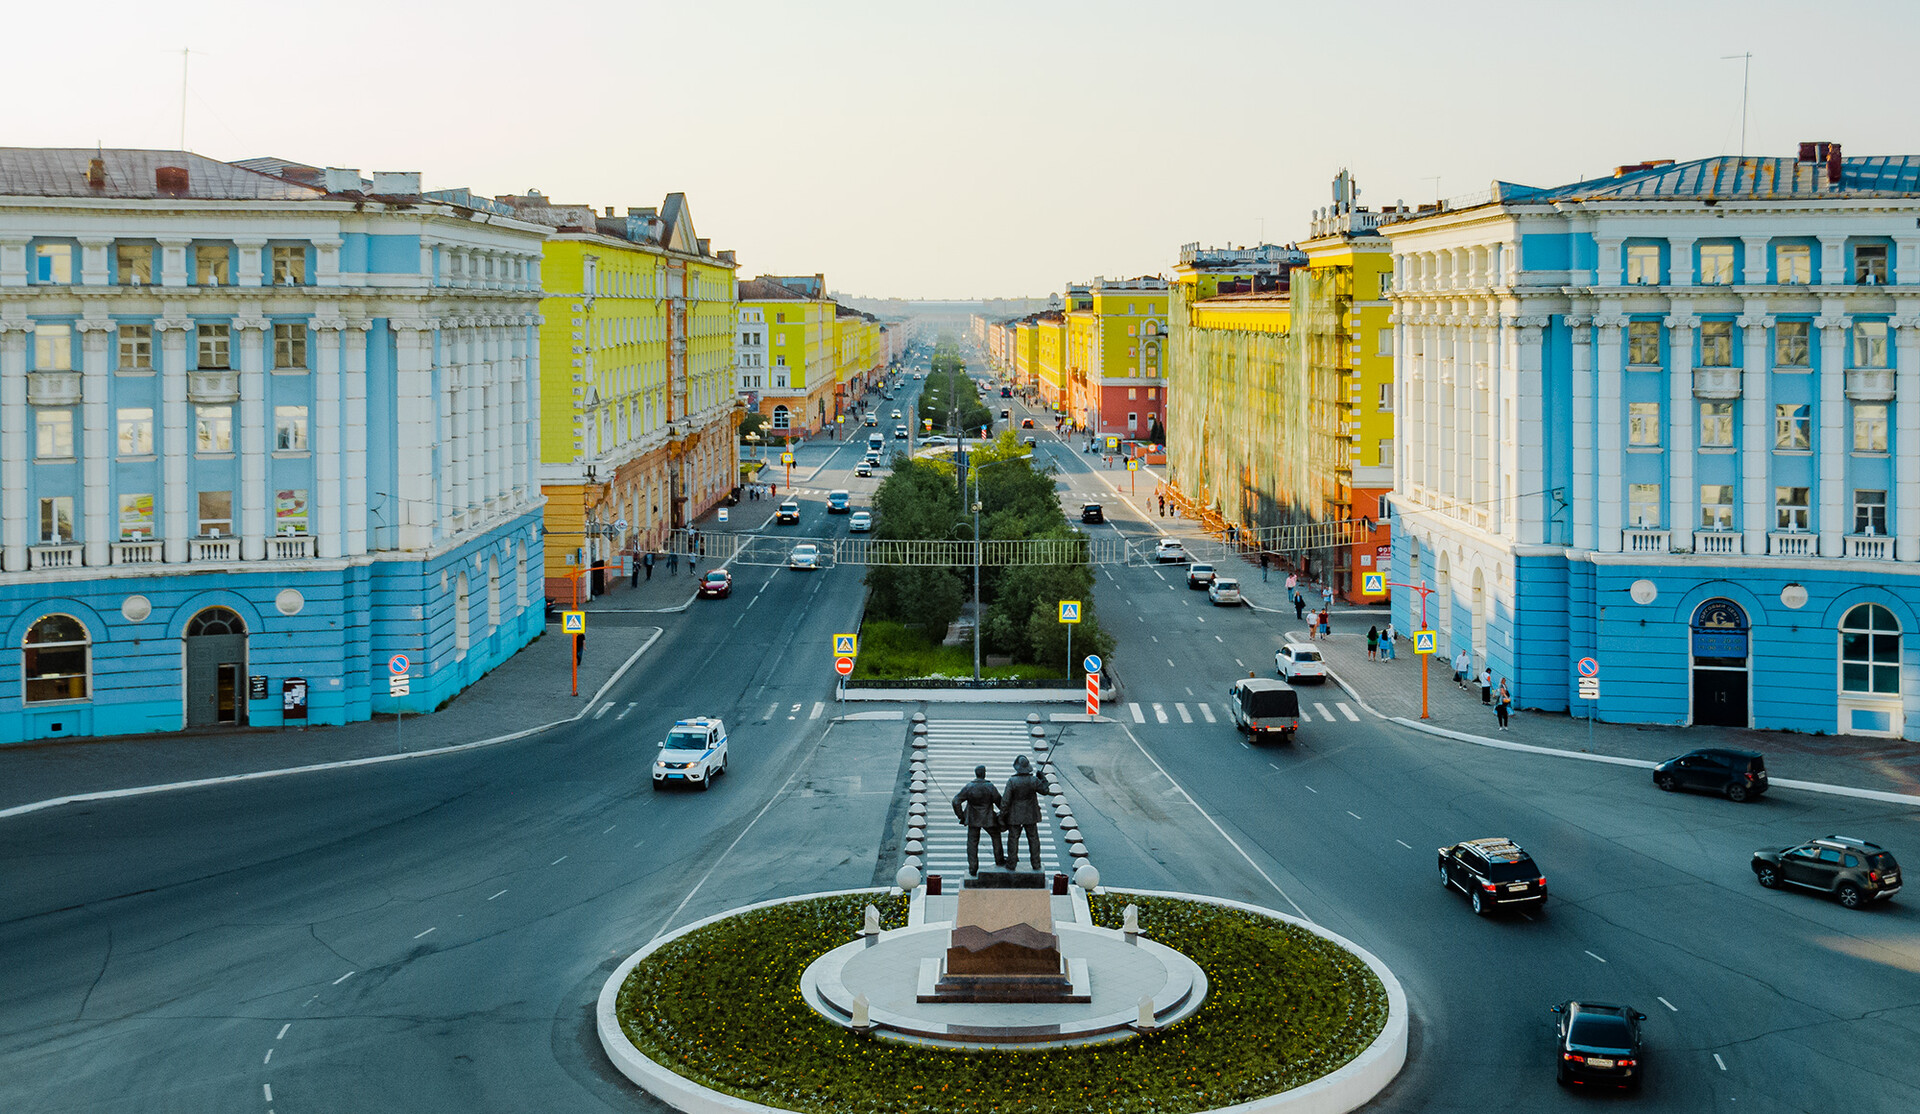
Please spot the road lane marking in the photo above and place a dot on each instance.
(267, 1088)
(1669, 1005)
(1219, 639)
(818, 707)
(496, 895)
(343, 978)
(1159, 713)
(772, 710)
(628, 710)
(1596, 957)
(1355, 815)
(1348, 712)
(1170, 664)
(1311, 789)
(417, 935)
(1206, 711)
(1274, 767)
(1404, 844)
(283, 1031)
(268, 1058)
(1185, 716)
(604, 710)
(1718, 1060)
(1238, 662)
(609, 828)
(1202, 618)
(1138, 715)
(1323, 710)
(558, 861)
(1155, 637)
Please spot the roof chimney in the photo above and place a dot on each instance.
(170, 179)
(404, 182)
(609, 210)
(339, 180)
(1833, 164)
(97, 173)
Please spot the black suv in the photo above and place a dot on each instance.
(1492, 873)
(1093, 512)
(1741, 775)
(1853, 870)
(1598, 1043)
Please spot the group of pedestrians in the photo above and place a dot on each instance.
(762, 491)
(1380, 642)
(1493, 692)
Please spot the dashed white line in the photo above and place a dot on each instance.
(558, 861)
(1718, 1060)
(417, 935)
(267, 1088)
(1669, 1005)
(1274, 767)
(1170, 664)
(343, 978)
(608, 707)
(624, 712)
(1311, 789)
(1355, 815)
(283, 1031)
(268, 1058)
(496, 895)
(608, 828)
(772, 710)
(1219, 639)
(1160, 713)
(818, 707)
(1404, 844)
(1596, 957)
(1237, 661)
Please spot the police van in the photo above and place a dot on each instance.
(694, 753)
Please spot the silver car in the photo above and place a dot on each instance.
(1224, 592)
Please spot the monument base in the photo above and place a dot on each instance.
(938, 985)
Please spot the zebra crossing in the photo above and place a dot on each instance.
(954, 748)
(1167, 712)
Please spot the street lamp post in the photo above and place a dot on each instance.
(1425, 659)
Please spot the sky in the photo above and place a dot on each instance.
(967, 149)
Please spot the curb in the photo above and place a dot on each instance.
(343, 764)
(966, 696)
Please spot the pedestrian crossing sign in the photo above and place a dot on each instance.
(573, 622)
(786, 458)
(846, 645)
(1069, 611)
(1373, 583)
(1423, 642)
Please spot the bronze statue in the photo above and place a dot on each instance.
(1023, 812)
(977, 806)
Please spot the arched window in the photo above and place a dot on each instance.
(216, 620)
(1870, 650)
(781, 419)
(58, 655)
(520, 577)
(493, 592)
(461, 633)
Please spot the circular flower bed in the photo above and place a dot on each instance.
(722, 1007)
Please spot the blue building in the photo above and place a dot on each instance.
(1669, 420)
(264, 429)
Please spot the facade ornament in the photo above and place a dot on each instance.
(1904, 321)
(1609, 321)
(1681, 320)
(1578, 320)
(328, 322)
(255, 323)
(1832, 321)
(174, 324)
(15, 324)
(1755, 321)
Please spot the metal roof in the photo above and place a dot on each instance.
(1732, 178)
(62, 172)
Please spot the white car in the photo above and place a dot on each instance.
(934, 442)
(860, 523)
(694, 753)
(1298, 661)
(1224, 592)
(806, 555)
(895, 415)
(1171, 549)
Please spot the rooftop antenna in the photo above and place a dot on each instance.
(1435, 179)
(1746, 69)
(184, 52)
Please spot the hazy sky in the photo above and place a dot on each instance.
(970, 148)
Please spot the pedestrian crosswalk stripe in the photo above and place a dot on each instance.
(1206, 711)
(954, 748)
(1160, 713)
(1324, 713)
(1348, 712)
(1185, 716)
(1138, 715)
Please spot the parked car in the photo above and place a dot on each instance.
(1299, 661)
(839, 501)
(1224, 592)
(788, 514)
(1171, 551)
(861, 522)
(1856, 872)
(1092, 512)
(1738, 774)
(694, 753)
(806, 555)
(1264, 709)
(1199, 575)
(1493, 873)
(716, 584)
(1598, 1043)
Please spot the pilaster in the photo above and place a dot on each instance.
(173, 260)
(415, 419)
(249, 252)
(353, 424)
(1608, 494)
(176, 437)
(1679, 448)
(13, 259)
(96, 448)
(1756, 434)
(1583, 429)
(1906, 430)
(249, 340)
(329, 500)
(15, 334)
(93, 260)
(1528, 471)
(1830, 444)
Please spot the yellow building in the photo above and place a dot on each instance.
(860, 357)
(795, 321)
(637, 400)
(1115, 337)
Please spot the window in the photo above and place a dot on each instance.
(1793, 264)
(215, 349)
(1870, 264)
(1790, 508)
(136, 348)
(1643, 265)
(1716, 506)
(56, 652)
(290, 265)
(136, 516)
(134, 264)
(1643, 505)
(290, 511)
(1869, 650)
(290, 346)
(779, 361)
(780, 319)
(1869, 511)
(1643, 342)
(213, 429)
(1869, 344)
(1386, 285)
(1643, 423)
(53, 263)
(1716, 264)
(1133, 420)
(290, 429)
(135, 425)
(461, 630)
(56, 520)
(1383, 342)
(216, 513)
(1716, 344)
(1792, 427)
(53, 434)
(1152, 393)
(781, 418)
(53, 348)
(1386, 452)
(1870, 427)
(1716, 425)
(1790, 343)
(1132, 393)
(211, 265)
(493, 592)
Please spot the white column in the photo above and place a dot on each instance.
(1756, 426)
(1528, 470)
(173, 260)
(1754, 273)
(1494, 406)
(1831, 445)
(456, 348)
(1906, 431)
(328, 500)
(473, 451)
(526, 431)
(1433, 421)
(1679, 447)
(1459, 485)
(326, 270)
(13, 258)
(15, 519)
(1609, 264)
(1680, 261)
(180, 504)
(499, 414)
(248, 338)
(1583, 497)
(93, 259)
(96, 449)
(1608, 494)
(353, 423)
(249, 253)
(415, 421)
(1833, 260)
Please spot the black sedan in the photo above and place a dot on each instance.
(1093, 512)
(1598, 1044)
(716, 585)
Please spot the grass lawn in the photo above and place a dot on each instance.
(722, 1007)
(894, 652)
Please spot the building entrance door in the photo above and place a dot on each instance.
(1719, 646)
(216, 669)
(1719, 697)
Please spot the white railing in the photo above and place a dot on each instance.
(290, 547)
(137, 553)
(1719, 543)
(1871, 547)
(1716, 382)
(1639, 540)
(1870, 384)
(213, 549)
(53, 388)
(54, 557)
(1791, 544)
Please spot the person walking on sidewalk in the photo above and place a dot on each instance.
(1373, 643)
(1461, 663)
(579, 647)
(1502, 704)
(1486, 686)
(1386, 642)
(1326, 623)
(673, 562)
(647, 563)
(1299, 606)
(1263, 566)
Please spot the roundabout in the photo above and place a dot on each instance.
(1213, 1004)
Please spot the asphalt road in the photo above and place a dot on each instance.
(432, 938)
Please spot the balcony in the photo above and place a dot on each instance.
(213, 386)
(1792, 544)
(1718, 543)
(1639, 540)
(290, 547)
(53, 557)
(137, 553)
(53, 388)
(213, 549)
(1716, 382)
(1870, 384)
(1870, 547)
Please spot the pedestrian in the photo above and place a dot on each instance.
(977, 805)
(1373, 643)
(1386, 642)
(1486, 687)
(647, 563)
(1163, 506)
(1460, 665)
(673, 562)
(1326, 624)
(1263, 566)
(1023, 812)
(1503, 704)
(1299, 606)
(579, 647)
(636, 570)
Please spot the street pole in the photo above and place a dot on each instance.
(976, 586)
(1425, 659)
